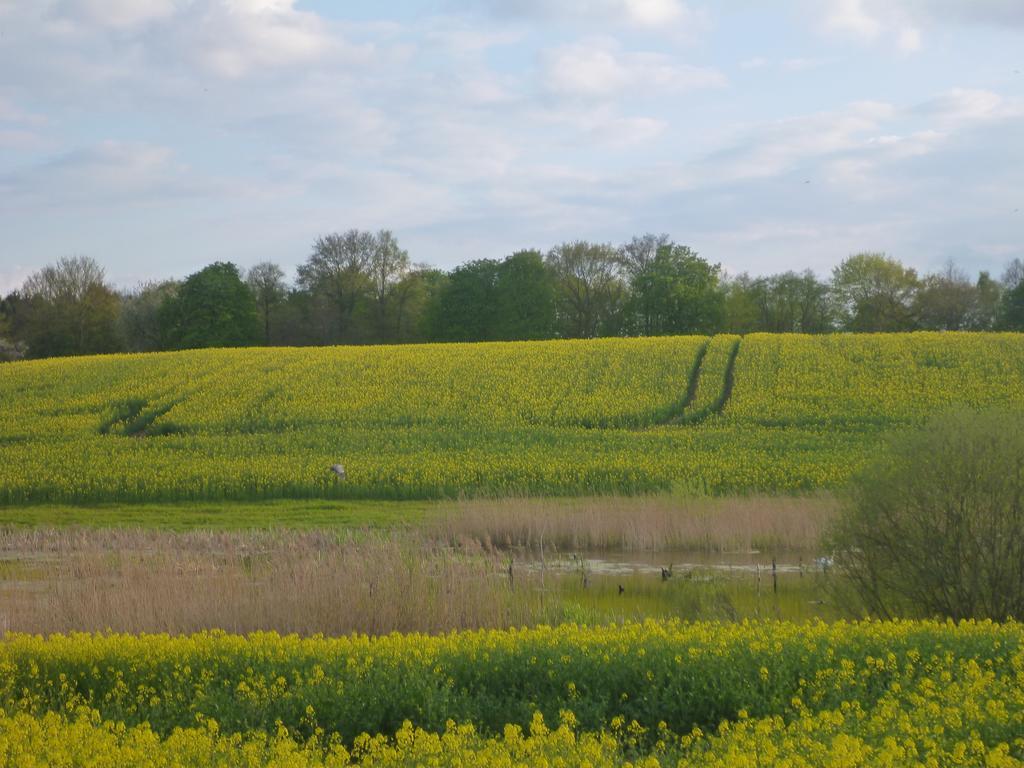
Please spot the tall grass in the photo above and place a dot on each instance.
(651, 523)
(450, 572)
(308, 583)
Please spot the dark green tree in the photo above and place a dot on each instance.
(465, 308)
(1011, 314)
(9, 348)
(677, 292)
(986, 313)
(213, 308)
(525, 298)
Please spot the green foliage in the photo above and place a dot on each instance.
(947, 301)
(785, 303)
(589, 289)
(525, 299)
(874, 292)
(227, 515)
(685, 675)
(488, 300)
(266, 282)
(140, 321)
(66, 309)
(677, 292)
(212, 308)
(465, 306)
(1012, 309)
(934, 522)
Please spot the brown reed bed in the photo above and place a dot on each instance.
(765, 523)
(304, 582)
(451, 572)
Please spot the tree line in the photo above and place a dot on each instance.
(360, 287)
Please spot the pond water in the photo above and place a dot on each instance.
(680, 562)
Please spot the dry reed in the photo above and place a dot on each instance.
(309, 582)
(642, 523)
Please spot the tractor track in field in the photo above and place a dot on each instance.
(686, 416)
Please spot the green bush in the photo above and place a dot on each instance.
(935, 524)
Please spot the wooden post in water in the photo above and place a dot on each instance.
(775, 578)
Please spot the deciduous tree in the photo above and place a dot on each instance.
(141, 326)
(68, 309)
(338, 271)
(873, 292)
(589, 289)
(213, 308)
(677, 292)
(525, 298)
(268, 287)
(946, 301)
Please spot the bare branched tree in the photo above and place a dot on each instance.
(266, 281)
(590, 287)
(70, 309)
(338, 269)
(638, 254)
(389, 264)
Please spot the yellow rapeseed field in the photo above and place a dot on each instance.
(775, 413)
(652, 694)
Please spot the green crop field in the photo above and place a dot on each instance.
(776, 413)
(752, 694)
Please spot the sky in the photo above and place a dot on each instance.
(158, 136)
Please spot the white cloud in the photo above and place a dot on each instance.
(994, 12)
(246, 35)
(802, 65)
(870, 21)
(960, 105)
(901, 23)
(757, 62)
(247, 127)
(119, 14)
(909, 40)
(585, 70)
(851, 17)
(658, 15)
(768, 150)
(605, 126)
(654, 13)
(229, 38)
(108, 172)
(598, 68)
(12, 113)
